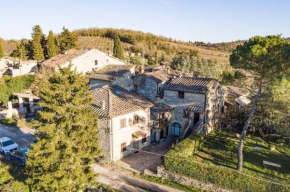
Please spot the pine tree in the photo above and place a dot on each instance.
(20, 51)
(37, 43)
(118, 50)
(61, 158)
(1, 50)
(51, 45)
(66, 40)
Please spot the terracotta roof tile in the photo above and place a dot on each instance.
(63, 58)
(190, 84)
(111, 72)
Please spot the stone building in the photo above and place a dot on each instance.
(150, 84)
(27, 103)
(124, 120)
(13, 67)
(83, 61)
(113, 75)
(197, 103)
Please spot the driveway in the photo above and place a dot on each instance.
(147, 157)
(23, 136)
(124, 180)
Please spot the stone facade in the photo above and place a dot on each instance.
(191, 108)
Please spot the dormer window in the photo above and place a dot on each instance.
(96, 62)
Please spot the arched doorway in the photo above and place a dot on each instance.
(175, 129)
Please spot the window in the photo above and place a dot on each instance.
(107, 60)
(136, 119)
(123, 123)
(123, 147)
(185, 113)
(181, 94)
(175, 129)
(96, 62)
(144, 139)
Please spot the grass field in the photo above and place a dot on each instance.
(213, 159)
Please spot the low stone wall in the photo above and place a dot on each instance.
(161, 172)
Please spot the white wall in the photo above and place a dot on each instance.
(121, 135)
(86, 62)
(25, 68)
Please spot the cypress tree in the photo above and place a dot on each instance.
(156, 58)
(61, 158)
(37, 41)
(118, 50)
(66, 40)
(51, 46)
(1, 50)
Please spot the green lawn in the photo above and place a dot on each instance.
(221, 150)
(8, 122)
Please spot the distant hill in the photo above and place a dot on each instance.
(138, 42)
(8, 46)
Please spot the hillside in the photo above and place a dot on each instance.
(138, 42)
(8, 46)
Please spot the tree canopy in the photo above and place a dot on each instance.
(66, 40)
(51, 45)
(37, 43)
(61, 158)
(1, 50)
(266, 58)
(118, 50)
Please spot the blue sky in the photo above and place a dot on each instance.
(203, 20)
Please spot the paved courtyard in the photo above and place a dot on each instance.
(149, 159)
(23, 136)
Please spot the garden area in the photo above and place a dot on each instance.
(213, 159)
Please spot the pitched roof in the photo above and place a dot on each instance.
(111, 72)
(157, 76)
(63, 58)
(116, 101)
(190, 84)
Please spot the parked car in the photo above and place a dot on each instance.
(19, 156)
(7, 145)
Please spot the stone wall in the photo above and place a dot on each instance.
(214, 104)
(104, 138)
(171, 98)
(126, 80)
(96, 84)
(146, 87)
(161, 172)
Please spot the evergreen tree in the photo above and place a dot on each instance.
(61, 158)
(118, 50)
(156, 58)
(51, 45)
(268, 58)
(20, 51)
(1, 50)
(66, 40)
(37, 43)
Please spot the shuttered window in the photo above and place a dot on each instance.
(122, 123)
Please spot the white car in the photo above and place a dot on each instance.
(7, 145)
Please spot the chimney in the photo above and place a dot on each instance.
(168, 70)
(141, 69)
(195, 74)
(103, 105)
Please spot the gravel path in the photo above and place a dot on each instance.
(23, 136)
(124, 180)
